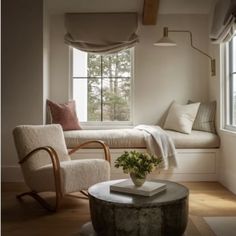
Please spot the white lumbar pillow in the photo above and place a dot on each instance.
(181, 117)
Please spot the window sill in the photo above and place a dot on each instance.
(227, 131)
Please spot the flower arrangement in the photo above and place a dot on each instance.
(138, 165)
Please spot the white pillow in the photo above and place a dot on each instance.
(181, 117)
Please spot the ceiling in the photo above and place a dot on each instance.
(165, 6)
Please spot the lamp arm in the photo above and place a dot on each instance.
(191, 41)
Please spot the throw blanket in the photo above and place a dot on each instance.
(159, 143)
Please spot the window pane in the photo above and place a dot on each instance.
(234, 54)
(94, 99)
(79, 63)
(117, 65)
(87, 94)
(234, 100)
(80, 88)
(94, 65)
(116, 99)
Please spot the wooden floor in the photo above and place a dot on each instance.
(28, 218)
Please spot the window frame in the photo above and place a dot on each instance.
(227, 102)
(105, 124)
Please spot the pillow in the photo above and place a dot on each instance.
(64, 114)
(181, 117)
(205, 119)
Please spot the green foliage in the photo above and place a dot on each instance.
(109, 85)
(94, 87)
(138, 163)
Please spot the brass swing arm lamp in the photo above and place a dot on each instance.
(165, 41)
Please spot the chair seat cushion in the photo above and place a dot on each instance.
(76, 175)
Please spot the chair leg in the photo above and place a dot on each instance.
(41, 201)
(84, 193)
(81, 197)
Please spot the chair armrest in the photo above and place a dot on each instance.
(104, 146)
(55, 164)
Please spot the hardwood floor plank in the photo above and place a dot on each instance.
(28, 218)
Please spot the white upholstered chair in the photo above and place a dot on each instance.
(47, 166)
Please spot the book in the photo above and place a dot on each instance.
(149, 188)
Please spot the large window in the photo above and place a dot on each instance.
(102, 86)
(230, 90)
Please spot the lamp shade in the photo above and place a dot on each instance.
(165, 41)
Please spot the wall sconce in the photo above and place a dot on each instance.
(165, 41)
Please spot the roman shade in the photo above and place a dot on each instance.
(223, 21)
(101, 32)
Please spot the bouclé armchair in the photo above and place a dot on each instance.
(47, 165)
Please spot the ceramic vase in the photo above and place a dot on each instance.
(138, 182)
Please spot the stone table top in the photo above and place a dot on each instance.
(173, 193)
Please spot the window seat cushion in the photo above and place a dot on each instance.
(133, 138)
(197, 139)
(114, 138)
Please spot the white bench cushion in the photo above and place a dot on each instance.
(133, 138)
(197, 139)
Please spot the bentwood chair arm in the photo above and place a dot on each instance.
(104, 146)
(56, 168)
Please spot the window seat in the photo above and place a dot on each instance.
(133, 138)
(197, 153)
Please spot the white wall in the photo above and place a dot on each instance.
(228, 160)
(22, 73)
(46, 59)
(59, 60)
(161, 74)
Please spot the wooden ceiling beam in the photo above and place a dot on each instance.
(150, 10)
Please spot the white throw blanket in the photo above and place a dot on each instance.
(159, 143)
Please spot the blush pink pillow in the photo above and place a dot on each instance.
(64, 114)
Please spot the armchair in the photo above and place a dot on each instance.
(47, 166)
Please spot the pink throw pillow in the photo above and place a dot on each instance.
(64, 114)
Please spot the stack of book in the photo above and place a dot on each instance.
(149, 188)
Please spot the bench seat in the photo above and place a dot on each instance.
(197, 153)
(133, 138)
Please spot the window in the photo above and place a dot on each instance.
(230, 89)
(102, 86)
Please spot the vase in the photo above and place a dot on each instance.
(138, 182)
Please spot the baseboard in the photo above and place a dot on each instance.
(11, 174)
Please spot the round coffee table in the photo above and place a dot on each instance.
(113, 213)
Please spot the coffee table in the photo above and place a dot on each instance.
(116, 214)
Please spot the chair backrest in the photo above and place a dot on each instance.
(29, 137)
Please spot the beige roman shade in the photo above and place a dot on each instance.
(223, 21)
(101, 32)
